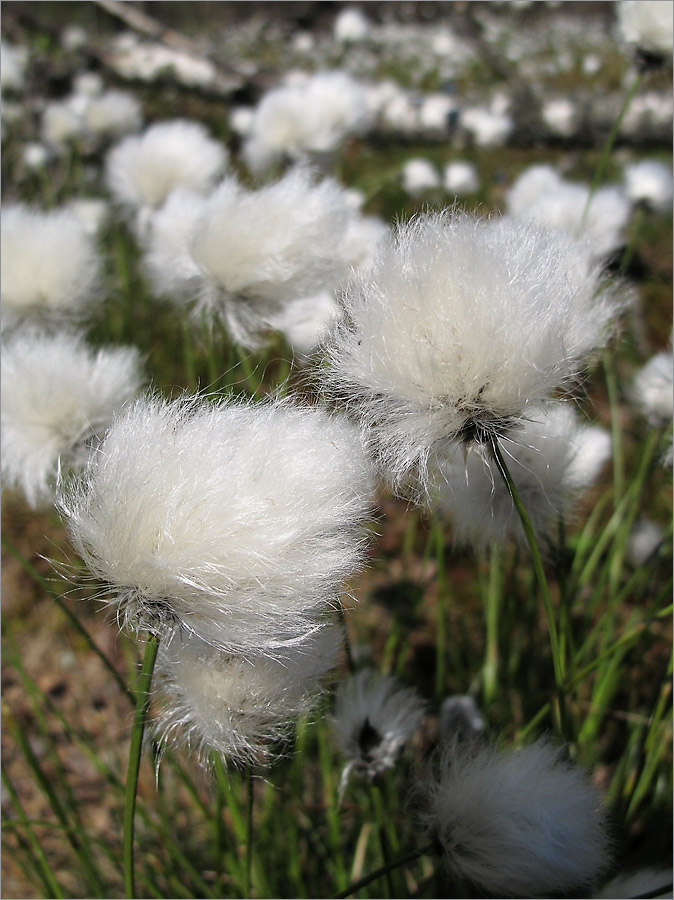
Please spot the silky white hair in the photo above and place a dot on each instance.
(522, 823)
(238, 520)
(51, 266)
(142, 170)
(457, 330)
(239, 706)
(57, 395)
(647, 24)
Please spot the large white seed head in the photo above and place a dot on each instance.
(457, 330)
(518, 824)
(57, 395)
(237, 706)
(238, 520)
(50, 264)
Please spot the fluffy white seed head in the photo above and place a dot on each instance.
(373, 720)
(50, 265)
(547, 459)
(238, 520)
(461, 326)
(652, 389)
(167, 261)
(650, 181)
(647, 24)
(237, 706)
(57, 395)
(461, 178)
(112, 114)
(256, 250)
(518, 824)
(305, 321)
(143, 169)
(418, 176)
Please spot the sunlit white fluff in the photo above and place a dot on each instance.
(541, 195)
(647, 24)
(645, 538)
(13, 64)
(112, 114)
(374, 718)
(237, 706)
(489, 126)
(650, 182)
(460, 178)
(243, 254)
(142, 170)
(547, 462)
(418, 176)
(461, 326)
(652, 389)
(51, 266)
(302, 121)
(237, 520)
(57, 394)
(305, 321)
(351, 25)
(523, 823)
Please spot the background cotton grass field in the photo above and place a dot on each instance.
(336, 449)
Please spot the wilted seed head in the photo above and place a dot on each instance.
(457, 330)
(58, 394)
(238, 520)
(142, 170)
(373, 720)
(521, 823)
(50, 265)
(552, 457)
(238, 706)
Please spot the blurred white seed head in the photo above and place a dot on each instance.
(652, 390)
(247, 253)
(237, 520)
(650, 182)
(645, 538)
(112, 114)
(521, 823)
(461, 178)
(647, 24)
(373, 720)
(304, 322)
(461, 326)
(238, 706)
(419, 176)
(459, 719)
(58, 394)
(13, 64)
(50, 264)
(552, 457)
(351, 25)
(142, 170)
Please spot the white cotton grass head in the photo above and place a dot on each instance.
(460, 327)
(522, 823)
(305, 321)
(552, 457)
(167, 262)
(238, 520)
(374, 718)
(647, 24)
(419, 176)
(644, 540)
(459, 719)
(142, 170)
(649, 181)
(13, 65)
(256, 250)
(111, 115)
(58, 394)
(51, 266)
(652, 388)
(238, 707)
(460, 178)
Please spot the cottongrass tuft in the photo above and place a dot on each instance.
(57, 395)
(373, 720)
(523, 823)
(239, 707)
(236, 520)
(460, 327)
(51, 266)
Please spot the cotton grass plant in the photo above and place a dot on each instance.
(358, 593)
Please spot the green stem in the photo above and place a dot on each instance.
(440, 623)
(557, 661)
(380, 872)
(250, 796)
(610, 141)
(378, 808)
(616, 429)
(142, 701)
(493, 602)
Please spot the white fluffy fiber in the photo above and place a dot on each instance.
(302, 120)
(648, 24)
(246, 253)
(652, 389)
(239, 707)
(143, 169)
(518, 824)
(552, 457)
(541, 195)
(649, 181)
(374, 718)
(460, 328)
(57, 394)
(419, 176)
(238, 520)
(50, 264)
